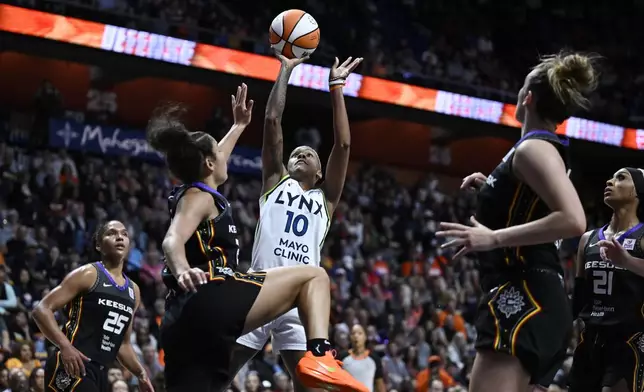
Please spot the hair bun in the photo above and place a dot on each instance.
(165, 129)
(573, 77)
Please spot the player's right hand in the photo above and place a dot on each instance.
(474, 181)
(73, 361)
(190, 279)
(290, 63)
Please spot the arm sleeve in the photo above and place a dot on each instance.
(578, 294)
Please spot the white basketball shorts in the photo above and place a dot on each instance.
(287, 333)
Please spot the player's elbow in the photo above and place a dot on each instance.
(272, 120)
(344, 145)
(575, 224)
(169, 243)
(38, 312)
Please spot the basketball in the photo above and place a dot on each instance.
(294, 33)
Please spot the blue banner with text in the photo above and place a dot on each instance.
(108, 140)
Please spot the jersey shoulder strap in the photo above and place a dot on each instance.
(99, 277)
(560, 142)
(178, 192)
(264, 198)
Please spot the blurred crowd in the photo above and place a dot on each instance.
(476, 47)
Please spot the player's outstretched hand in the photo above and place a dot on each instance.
(290, 63)
(475, 238)
(190, 279)
(73, 361)
(342, 71)
(242, 110)
(474, 181)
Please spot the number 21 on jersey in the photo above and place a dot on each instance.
(603, 282)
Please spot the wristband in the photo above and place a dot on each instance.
(336, 81)
(335, 87)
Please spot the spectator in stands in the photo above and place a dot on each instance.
(37, 380)
(120, 386)
(23, 358)
(364, 365)
(151, 361)
(18, 381)
(434, 373)
(394, 368)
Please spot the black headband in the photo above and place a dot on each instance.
(638, 180)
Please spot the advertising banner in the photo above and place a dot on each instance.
(105, 140)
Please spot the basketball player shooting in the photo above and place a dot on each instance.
(295, 210)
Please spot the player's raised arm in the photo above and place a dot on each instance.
(336, 169)
(273, 145)
(242, 114)
(77, 282)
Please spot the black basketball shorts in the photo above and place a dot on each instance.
(57, 379)
(603, 358)
(528, 316)
(199, 331)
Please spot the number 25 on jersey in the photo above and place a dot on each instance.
(115, 323)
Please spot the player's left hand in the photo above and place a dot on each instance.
(611, 250)
(145, 385)
(242, 110)
(343, 70)
(475, 238)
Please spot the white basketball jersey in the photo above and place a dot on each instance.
(291, 228)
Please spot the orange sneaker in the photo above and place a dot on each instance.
(326, 373)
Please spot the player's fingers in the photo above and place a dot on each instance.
(81, 367)
(616, 242)
(186, 285)
(336, 62)
(71, 368)
(196, 280)
(346, 62)
(233, 100)
(605, 244)
(84, 357)
(474, 221)
(67, 367)
(453, 226)
(451, 233)
(250, 105)
(479, 182)
(453, 243)
(355, 64)
(244, 90)
(201, 277)
(467, 183)
(462, 252)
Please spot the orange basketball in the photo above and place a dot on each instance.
(294, 33)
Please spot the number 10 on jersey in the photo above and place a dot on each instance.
(298, 224)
